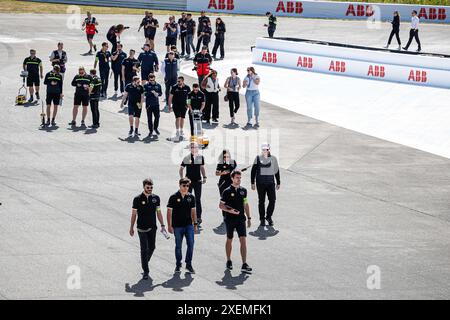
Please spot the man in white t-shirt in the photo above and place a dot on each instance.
(414, 32)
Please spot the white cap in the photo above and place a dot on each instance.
(265, 146)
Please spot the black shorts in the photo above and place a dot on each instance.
(238, 225)
(81, 100)
(171, 41)
(33, 80)
(133, 110)
(144, 74)
(54, 98)
(179, 111)
(149, 34)
(90, 36)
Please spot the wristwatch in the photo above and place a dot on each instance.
(162, 225)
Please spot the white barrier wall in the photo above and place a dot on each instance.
(323, 9)
(360, 63)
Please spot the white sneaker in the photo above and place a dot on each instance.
(386, 46)
(399, 48)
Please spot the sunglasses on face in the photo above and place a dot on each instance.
(185, 185)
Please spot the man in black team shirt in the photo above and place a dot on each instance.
(146, 207)
(195, 101)
(150, 25)
(96, 88)
(33, 65)
(182, 25)
(178, 102)
(54, 82)
(190, 31)
(116, 65)
(201, 24)
(182, 222)
(130, 68)
(82, 84)
(272, 25)
(235, 206)
(195, 170)
(103, 58)
(135, 94)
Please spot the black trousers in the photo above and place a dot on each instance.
(169, 84)
(233, 102)
(413, 34)
(183, 42)
(104, 77)
(117, 78)
(199, 43)
(219, 42)
(197, 187)
(212, 100)
(152, 111)
(271, 31)
(263, 190)
(147, 241)
(113, 43)
(396, 33)
(95, 111)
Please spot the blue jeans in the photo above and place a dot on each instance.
(252, 98)
(188, 232)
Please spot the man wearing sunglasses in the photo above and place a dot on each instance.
(182, 222)
(146, 207)
(178, 102)
(195, 170)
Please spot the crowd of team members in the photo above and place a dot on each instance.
(184, 210)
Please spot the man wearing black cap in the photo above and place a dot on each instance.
(272, 26)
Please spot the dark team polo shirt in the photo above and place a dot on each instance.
(181, 209)
(129, 63)
(226, 167)
(134, 93)
(116, 64)
(180, 95)
(148, 60)
(148, 29)
(196, 99)
(146, 211)
(235, 198)
(192, 165)
(103, 59)
(32, 65)
(190, 26)
(54, 83)
(201, 20)
(82, 84)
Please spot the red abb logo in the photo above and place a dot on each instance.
(361, 10)
(221, 4)
(337, 66)
(417, 76)
(376, 71)
(290, 7)
(269, 57)
(433, 13)
(305, 62)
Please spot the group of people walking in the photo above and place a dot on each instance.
(184, 207)
(413, 32)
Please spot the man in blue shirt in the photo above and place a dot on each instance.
(149, 62)
(152, 91)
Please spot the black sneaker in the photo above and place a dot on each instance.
(256, 125)
(53, 122)
(130, 133)
(246, 268)
(145, 276)
(48, 122)
(215, 120)
(405, 48)
(72, 123)
(38, 98)
(177, 269)
(157, 132)
(262, 224)
(229, 265)
(270, 221)
(136, 132)
(82, 123)
(30, 100)
(190, 269)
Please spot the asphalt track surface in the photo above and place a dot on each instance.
(348, 201)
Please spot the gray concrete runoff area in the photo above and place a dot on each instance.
(356, 217)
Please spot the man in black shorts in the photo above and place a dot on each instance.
(195, 101)
(178, 102)
(234, 204)
(172, 32)
(33, 65)
(82, 83)
(150, 25)
(135, 94)
(54, 82)
(146, 207)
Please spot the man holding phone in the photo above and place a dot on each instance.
(234, 205)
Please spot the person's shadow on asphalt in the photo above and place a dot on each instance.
(220, 229)
(230, 282)
(49, 129)
(141, 287)
(263, 233)
(176, 283)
